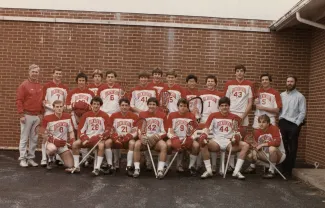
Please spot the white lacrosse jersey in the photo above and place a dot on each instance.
(94, 88)
(272, 136)
(210, 102)
(110, 97)
(77, 94)
(179, 123)
(238, 93)
(53, 92)
(158, 86)
(58, 127)
(124, 124)
(220, 125)
(140, 96)
(176, 92)
(155, 122)
(93, 124)
(269, 98)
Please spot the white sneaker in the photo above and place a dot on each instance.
(43, 163)
(180, 169)
(23, 164)
(238, 175)
(136, 173)
(160, 174)
(206, 174)
(32, 163)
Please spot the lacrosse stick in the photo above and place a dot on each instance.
(191, 127)
(257, 88)
(251, 141)
(235, 127)
(123, 89)
(194, 104)
(165, 96)
(142, 126)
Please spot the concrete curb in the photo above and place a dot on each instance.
(314, 177)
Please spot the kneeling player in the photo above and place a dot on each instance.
(224, 137)
(177, 124)
(268, 139)
(155, 133)
(122, 124)
(55, 129)
(92, 129)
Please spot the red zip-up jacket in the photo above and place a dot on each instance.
(29, 98)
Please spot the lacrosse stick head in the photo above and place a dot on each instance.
(250, 139)
(123, 89)
(142, 126)
(256, 90)
(235, 125)
(165, 95)
(192, 126)
(196, 107)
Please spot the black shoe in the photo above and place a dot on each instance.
(268, 175)
(129, 171)
(108, 170)
(95, 172)
(230, 169)
(58, 162)
(49, 165)
(250, 170)
(193, 171)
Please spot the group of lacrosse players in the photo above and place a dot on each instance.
(96, 121)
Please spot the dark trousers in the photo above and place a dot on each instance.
(290, 133)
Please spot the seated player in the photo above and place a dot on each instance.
(221, 125)
(56, 129)
(154, 137)
(177, 127)
(92, 128)
(124, 134)
(268, 139)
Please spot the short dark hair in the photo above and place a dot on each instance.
(153, 100)
(183, 101)
(224, 100)
(96, 99)
(144, 74)
(82, 75)
(57, 69)
(240, 66)
(57, 102)
(294, 77)
(265, 118)
(210, 76)
(266, 75)
(157, 70)
(171, 72)
(124, 100)
(191, 76)
(111, 72)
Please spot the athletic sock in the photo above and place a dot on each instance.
(192, 161)
(99, 161)
(239, 164)
(109, 155)
(129, 158)
(207, 164)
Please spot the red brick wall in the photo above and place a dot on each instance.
(315, 145)
(128, 49)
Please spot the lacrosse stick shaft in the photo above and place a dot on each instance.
(277, 170)
(86, 156)
(171, 162)
(152, 162)
(228, 159)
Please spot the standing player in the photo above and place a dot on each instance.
(52, 91)
(122, 124)
(56, 129)
(268, 102)
(268, 139)
(177, 127)
(29, 106)
(221, 125)
(190, 92)
(156, 83)
(93, 126)
(175, 91)
(141, 94)
(241, 96)
(210, 97)
(97, 77)
(154, 137)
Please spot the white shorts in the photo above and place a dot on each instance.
(60, 150)
(255, 124)
(223, 143)
(245, 122)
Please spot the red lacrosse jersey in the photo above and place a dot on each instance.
(238, 93)
(158, 86)
(220, 125)
(176, 92)
(179, 122)
(53, 92)
(210, 102)
(272, 136)
(124, 124)
(94, 88)
(110, 96)
(93, 124)
(140, 96)
(78, 94)
(58, 127)
(269, 98)
(155, 122)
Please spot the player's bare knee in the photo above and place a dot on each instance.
(272, 149)
(108, 143)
